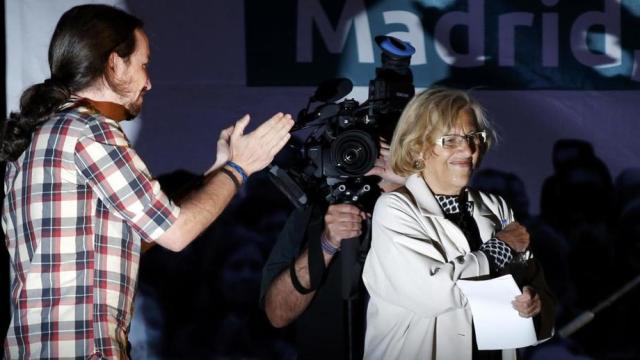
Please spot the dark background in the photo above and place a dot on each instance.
(567, 161)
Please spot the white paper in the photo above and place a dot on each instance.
(497, 324)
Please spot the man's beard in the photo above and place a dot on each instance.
(124, 88)
(134, 108)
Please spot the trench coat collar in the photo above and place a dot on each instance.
(428, 205)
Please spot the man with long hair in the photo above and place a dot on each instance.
(79, 201)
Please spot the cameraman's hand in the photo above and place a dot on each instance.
(382, 168)
(516, 236)
(342, 221)
(255, 150)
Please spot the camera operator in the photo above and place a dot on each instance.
(319, 314)
(313, 275)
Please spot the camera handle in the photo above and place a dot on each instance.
(353, 252)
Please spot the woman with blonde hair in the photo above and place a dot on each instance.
(434, 231)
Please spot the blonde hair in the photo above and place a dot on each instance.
(427, 116)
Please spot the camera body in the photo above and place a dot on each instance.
(346, 147)
(345, 141)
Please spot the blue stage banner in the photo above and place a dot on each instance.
(490, 44)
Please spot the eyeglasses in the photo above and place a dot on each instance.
(455, 141)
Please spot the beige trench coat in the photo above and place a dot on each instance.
(416, 311)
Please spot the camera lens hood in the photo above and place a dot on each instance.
(395, 46)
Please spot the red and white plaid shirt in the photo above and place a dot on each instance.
(78, 202)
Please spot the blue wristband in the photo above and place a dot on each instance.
(237, 168)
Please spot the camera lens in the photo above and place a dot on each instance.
(353, 153)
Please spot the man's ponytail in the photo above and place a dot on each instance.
(37, 104)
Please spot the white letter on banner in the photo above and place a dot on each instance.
(354, 12)
(474, 21)
(415, 35)
(610, 20)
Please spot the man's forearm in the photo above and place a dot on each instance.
(283, 303)
(198, 210)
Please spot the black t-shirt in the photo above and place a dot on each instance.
(321, 330)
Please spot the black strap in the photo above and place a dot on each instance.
(296, 282)
(314, 225)
(315, 255)
(353, 254)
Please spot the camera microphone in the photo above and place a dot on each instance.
(328, 92)
(333, 90)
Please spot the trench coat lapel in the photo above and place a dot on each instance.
(489, 222)
(487, 219)
(427, 203)
(452, 236)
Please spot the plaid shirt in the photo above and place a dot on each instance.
(78, 202)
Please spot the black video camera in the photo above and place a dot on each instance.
(344, 143)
